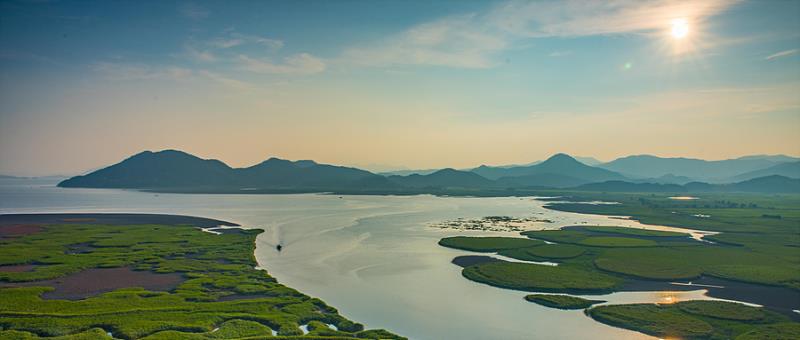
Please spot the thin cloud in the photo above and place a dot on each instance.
(473, 40)
(193, 11)
(781, 54)
(226, 42)
(454, 41)
(586, 18)
(556, 54)
(237, 39)
(129, 71)
(20, 55)
(198, 55)
(299, 64)
(227, 81)
(126, 71)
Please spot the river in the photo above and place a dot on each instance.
(374, 258)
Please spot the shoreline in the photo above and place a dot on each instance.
(83, 287)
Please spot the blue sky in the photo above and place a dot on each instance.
(392, 84)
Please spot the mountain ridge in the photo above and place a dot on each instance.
(650, 166)
(174, 170)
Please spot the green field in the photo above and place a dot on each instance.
(534, 277)
(698, 320)
(561, 301)
(631, 231)
(758, 240)
(545, 252)
(487, 244)
(221, 288)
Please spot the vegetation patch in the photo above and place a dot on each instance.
(547, 251)
(627, 231)
(208, 267)
(534, 277)
(561, 301)
(469, 260)
(778, 331)
(91, 334)
(664, 263)
(748, 248)
(696, 320)
(657, 320)
(612, 241)
(487, 244)
(722, 310)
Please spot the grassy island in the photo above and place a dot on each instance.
(535, 277)
(99, 276)
(698, 320)
(487, 244)
(561, 301)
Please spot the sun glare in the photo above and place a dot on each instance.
(680, 28)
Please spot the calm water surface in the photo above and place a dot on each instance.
(375, 258)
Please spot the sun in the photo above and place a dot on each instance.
(680, 28)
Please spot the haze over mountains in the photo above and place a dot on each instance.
(646, 166)
(172, 170)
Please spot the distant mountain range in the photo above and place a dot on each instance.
(560, 171)
(445, 178)
(790, 169)
(768, 184)
(172, 170)
(176, 169)
(647, 166)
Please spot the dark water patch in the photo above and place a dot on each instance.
(95, 281)
(234, 231)
(17, 230)
(78, 220)
(79, 248)
(109, 218)
(590, 232)
(779, 299)
(469, 260)
(18, 268)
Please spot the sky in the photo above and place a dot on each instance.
(395, 84)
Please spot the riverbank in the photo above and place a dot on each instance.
(203, 269)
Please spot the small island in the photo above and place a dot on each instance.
(699, 320)
(561, 301)
(492, 223)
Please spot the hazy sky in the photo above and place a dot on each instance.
(391, 84)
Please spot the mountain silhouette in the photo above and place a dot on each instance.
(176, 169)
(445, 178)
(566, 169)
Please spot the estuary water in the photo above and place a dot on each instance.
(374, 258)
